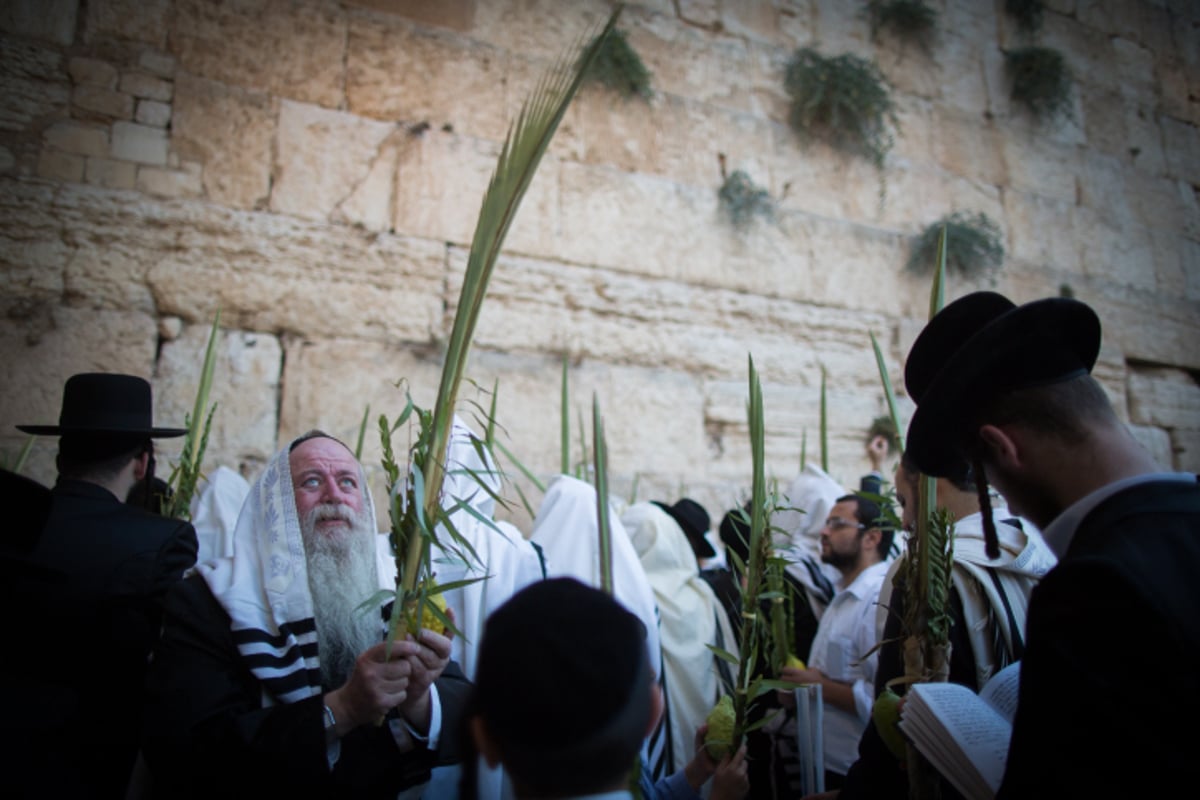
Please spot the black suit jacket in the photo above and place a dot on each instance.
(208, 733)
(1110, 681)
(82, 606)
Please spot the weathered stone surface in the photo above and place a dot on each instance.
(33, 84)
(457, 15)
(1157, 442)
(139, 20)
(149, 87)
(49, 20)
(429, 206)
(409, 75)
(289, 49)
(85, 139)
(323, 157)
(140, 144)
(245, 390)
(1167, 398)
(109, 173)
(230, 133)
(57, 166)
(1185, 448)
(92, 72)
(153, 113)
(44, 349)
(184, 182)
(102, 102)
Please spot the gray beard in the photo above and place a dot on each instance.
(341, 574)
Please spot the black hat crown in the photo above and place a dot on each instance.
(105, 403)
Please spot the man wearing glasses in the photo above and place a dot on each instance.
(856, 541)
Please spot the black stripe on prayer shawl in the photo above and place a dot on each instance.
(823, 586)
(287, 630)
(294, 655)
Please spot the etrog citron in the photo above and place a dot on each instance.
(429, 620)
(793, 660)
(719, 738)
(886, 714)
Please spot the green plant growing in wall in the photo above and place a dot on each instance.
(973, 245)
(1041, 81)
(1028, 13)
(913, 20)
(843, 101)
(618, 67)
(742, 200)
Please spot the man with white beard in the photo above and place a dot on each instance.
(272, 679)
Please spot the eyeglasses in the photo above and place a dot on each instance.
(837, 524)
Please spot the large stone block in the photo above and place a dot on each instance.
(272, 273)
(1146, 326)
(245, 390)
(295, 50)
(408, 75)
(49, 20)
(139, 20)
(1185, 449)
(1121, 253)
(230, 133)
(1157, 443)
(1167, 398)
(323, 158)
(456, 15)
(1042, 230)
(33, 84)
(140, 144)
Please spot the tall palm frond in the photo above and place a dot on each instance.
(186, 474)
(600, 463)
(414, 521)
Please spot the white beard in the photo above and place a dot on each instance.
(341, 574)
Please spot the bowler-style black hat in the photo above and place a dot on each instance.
(694, 520)
(982, 345)
(105, 403)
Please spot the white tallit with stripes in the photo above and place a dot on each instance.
(263, 587)
(566, 527)
(692, 619)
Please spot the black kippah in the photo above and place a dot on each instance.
(563, 682)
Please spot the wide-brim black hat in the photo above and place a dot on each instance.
(105, 403)
(982, 345)
(694, 521)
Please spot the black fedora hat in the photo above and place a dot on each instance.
(105, 403)
(692, 517)
(982, 345)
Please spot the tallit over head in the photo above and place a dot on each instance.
(264, 586)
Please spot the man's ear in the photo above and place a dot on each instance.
(139, 466)
(483, 743)
(1001, 448)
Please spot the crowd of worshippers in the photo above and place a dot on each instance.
(245, 653)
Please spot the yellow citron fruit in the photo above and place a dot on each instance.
(429, 620)
(886, 714)
(793, 660)
(720, 728)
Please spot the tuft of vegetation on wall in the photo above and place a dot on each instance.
(843, 101)
(742, 200)
(620, 68)
(913, 20)
(1041, 81)
(973, 245)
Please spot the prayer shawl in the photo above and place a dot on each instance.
(215, 510)
(805, 506)
(692, 619)
(567, 529)
(994, 592)
(502, 556)
(263, 586)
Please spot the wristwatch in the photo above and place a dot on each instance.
(330, 721)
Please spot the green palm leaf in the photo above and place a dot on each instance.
(414, 521)
(186, 474)
(600, 452)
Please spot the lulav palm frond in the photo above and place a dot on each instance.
(415, 520)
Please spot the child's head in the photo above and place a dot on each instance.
(564, 695)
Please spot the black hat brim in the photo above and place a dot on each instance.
(58, 430)
(1038, 343)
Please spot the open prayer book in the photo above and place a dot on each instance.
(963, 734)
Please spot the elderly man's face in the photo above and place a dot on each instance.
(325, 475)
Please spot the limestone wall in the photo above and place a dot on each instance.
(314, 170)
